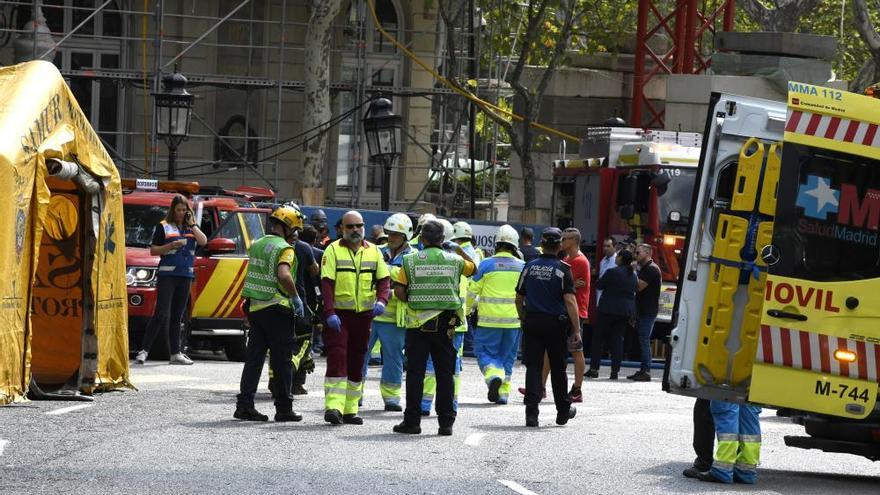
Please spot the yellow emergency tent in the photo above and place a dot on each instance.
(63, 311)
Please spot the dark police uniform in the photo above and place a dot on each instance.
(546, 325)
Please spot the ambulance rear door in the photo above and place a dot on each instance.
(718, 305)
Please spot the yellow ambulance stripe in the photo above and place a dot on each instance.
(224, 276)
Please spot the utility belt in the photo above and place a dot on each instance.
(446, 322)
(302, 326)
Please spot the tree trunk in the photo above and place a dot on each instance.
(871, 37)
(785, 18)
(316, 104)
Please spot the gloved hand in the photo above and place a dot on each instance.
(378, 309)
(334, 322)
(298, 308)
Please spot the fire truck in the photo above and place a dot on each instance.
(633, 186)
(231, 223)
(778, 300)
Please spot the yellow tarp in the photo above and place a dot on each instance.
(64, 322)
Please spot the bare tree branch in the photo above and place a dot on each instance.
(866, 28)
(784, 17)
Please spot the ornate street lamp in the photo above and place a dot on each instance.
(173, 111)
(382, 130)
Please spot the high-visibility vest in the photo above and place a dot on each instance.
(495, 286)
(355, 275)
(433, 281)
(395, 312)
(473, 252)
(261, 281)
(177, 262)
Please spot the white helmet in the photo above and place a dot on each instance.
(400, 223)
(448, 230)
(463, 230)
(424, 218)
(507, 235)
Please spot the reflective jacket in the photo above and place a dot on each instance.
(494, 288)
(354, 275)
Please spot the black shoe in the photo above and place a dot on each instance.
(298, 389)
(494, 387)
(333, 417)
(393, 407)
(445, 431)
(708, 476)
(640, 376)
(592, 374)
(562, 418)
(613, 376)
(352, 419)
(692, 472)
(407, 428)
(249, 414)
(288, 416)
(532, 421)
(374, 362)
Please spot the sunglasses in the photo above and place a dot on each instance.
(354, 225)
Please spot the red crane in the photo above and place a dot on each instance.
(686, 23)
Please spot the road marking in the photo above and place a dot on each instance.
(3, 445)
(69, 409)
(474, 439)
(513, 485)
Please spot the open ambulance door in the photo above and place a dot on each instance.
(717, 313)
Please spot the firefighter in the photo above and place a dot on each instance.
(416, 240)
(546, 304)
(738, 431)
(496, 338)
(463, 235)
(273, 307)
(461, 329)
(429, 284)
(389, 328)
(355, 286)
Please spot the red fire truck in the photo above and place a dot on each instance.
(633, 186)
(231, 222)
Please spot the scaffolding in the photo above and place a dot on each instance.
(246, 55)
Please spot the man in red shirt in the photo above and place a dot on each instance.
(580, 272)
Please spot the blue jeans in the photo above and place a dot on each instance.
(645, 327)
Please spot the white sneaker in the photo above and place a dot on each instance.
(179, 358)
(141, 357)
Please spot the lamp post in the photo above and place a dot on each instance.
(173, 112)
(382, 131)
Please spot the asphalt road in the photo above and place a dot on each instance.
(176, 435)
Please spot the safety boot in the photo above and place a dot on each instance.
(407, 428)
(249, 414)
(494, 387)
(352, 419)
(281, 417)
(563, 417)
(333, 417)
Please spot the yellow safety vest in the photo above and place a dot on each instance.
(354, 274)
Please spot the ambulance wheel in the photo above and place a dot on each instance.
(235, 348)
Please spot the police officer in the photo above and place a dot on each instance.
(355, 287)
(430, 285)
(545, 301)
(273, 306)
(496, 338)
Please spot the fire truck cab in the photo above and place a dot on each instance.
(231, 223)
(778, 300)
(633, 186)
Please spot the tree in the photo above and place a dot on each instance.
(316, 108)
(784, 16)
(870, 72)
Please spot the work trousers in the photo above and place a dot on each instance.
(546, 334)
(430, 388)
(271, 330)
(437, 345)
(739, 442)
(608, 334)
(704, 435)
(496, 350)
(345, 360)
(172, 295)
(392, 340)
(645, 327)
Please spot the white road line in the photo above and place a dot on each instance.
(69, 409)
(3, 446)
(513, 485)
(474, 439)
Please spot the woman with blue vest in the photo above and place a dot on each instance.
(174, 241)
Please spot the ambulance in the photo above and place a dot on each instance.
(231, 222)
(779, 299)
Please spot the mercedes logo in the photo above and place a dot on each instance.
(770, 254)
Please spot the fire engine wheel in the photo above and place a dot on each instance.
(235, 348)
